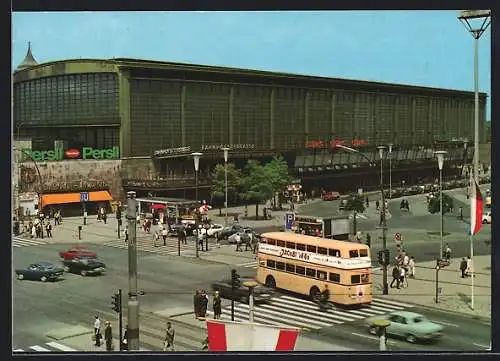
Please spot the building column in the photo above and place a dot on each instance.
(413, 120)
(444, 126)
(306, 117)
(231, 116)
(272, 138)
(332, 114)
(124, 110)
(430, 127)
(395, 122)
(377, 123)
(183, 114)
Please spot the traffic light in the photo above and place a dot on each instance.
(117, 302)
(381, 257)
(235, 279)
(384, 257)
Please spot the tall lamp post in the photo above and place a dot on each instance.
(482, 19)
(196, 158)
(382, 215)
(390, 170)
(226, 155)
(440, 158)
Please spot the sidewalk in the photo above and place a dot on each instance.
(454, 292)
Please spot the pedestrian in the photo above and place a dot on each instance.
(164, 233)
(468, 270)
(217, 304)
(463, 267)
(203, 304)
(255, 245)
(105, 218)
(108, 336)
(461, 213)
(237, 239)
(184, 235)
(367, 202)
(447, 252)
(97, 331)
(156, 236)
(248, 241)
(395, 277)
(196, 304)
(200, 237)
(402, 275)
(125, 232)
(168, 345)
(48, 227)
(377, 204)
(124, 340)
(411, 266)
(33, 232)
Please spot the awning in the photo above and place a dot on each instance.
(158, 206)
(64, 198)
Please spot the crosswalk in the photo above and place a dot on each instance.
(27, 242)
(47, 347)
(358, 215)
(295, 312)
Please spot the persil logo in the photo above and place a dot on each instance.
(72, 153)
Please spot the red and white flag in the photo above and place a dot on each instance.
(476, 207)
(244, 336)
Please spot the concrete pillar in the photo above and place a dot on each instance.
(124, 111)
(183, 114)
(272, 138)
(430, 124)
(413, 120)
(446, 112)
(306, 117)
(231, 115)
(332, 113)
(395, 122)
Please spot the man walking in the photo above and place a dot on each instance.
(108, 336)
(463, 266)
(395, 277)
(217, 303)
(97, 331)
(411, 266)
(168, 345)
(164, 233)
(203, 304)
(196, 304)
(48, 227)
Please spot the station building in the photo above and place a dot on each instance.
(131, 124)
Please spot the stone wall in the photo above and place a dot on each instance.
(138, 168)
(73, 176)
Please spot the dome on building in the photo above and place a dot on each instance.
(28, 61)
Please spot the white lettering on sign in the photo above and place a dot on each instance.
(320, 259)
(230, 146)
(171, 151)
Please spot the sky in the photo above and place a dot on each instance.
(426, 48)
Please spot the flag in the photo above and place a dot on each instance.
(476, 207)
(244, 336)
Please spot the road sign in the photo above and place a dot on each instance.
(397, 237)
(289, 219)
(84, 196)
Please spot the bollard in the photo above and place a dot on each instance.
(178, 245)
(80, 233)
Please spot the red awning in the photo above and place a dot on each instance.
(158, 206)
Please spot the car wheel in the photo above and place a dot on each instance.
(314, 293)
(83, 273)
(411, 338)
(43, 279)
(372, 330)
(66, 269)
(270, 282)
(20, 276)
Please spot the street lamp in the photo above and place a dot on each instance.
(196, 158)
(251, 285)
(440, 158)
(226, 154)
(483, 18)
(382, 215)
(390, 171)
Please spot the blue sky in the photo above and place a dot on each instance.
(428, 48)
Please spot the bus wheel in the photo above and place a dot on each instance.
(270, 282)
(314, 293)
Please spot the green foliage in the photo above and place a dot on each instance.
(256, 184)
(434, 204)
(277, 173)
(355, 203)
(234, 181)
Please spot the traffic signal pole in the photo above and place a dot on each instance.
(133, 301)
(120, 320)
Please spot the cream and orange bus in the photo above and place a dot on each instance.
(306, 264)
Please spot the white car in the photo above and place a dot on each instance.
(487, 218)
(214, 228)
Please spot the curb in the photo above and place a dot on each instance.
(482, 319)
(71, 336)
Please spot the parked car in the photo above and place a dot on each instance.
(262, 294)
(84, 266)
(487, 218)
(226, 232)
(76, 251)
(243, 234)
(214, 228)
(330, 196)
(41, 271)
(412, 326)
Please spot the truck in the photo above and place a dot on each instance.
(335, 227)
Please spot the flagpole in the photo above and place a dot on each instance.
(472, 270)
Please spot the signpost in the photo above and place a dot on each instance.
(84, 197)
(289, 219)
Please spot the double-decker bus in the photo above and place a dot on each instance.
(306, 264)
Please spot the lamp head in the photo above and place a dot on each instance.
(226, 153)
(390, 147)
(440, 157)
(196, 157)
(381, 149)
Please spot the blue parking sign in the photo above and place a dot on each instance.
(84, 196)
(289, 219)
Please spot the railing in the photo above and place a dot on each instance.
(167, 182)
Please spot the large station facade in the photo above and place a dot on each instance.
(133, 124)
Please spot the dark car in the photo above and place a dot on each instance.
(227, 232)
(84, 266)
(261, 293)
(41, 271)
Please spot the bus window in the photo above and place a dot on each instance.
(280, 243)
(333, 252)
(271, 242)
(334, 277)
(355, 279)
(311, 272)
(290, 267)
(263, 240)
(321, 275)
(271, 263)
(290, 245)
(322, 250)
(300, 270)
(311, 249)
(365, 278)
(363, 253)
(301, 247)
(280, 266)
(353, 253)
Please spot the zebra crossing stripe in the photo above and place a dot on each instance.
(404, 305)
(60, 347)
(386, 308)
(272, 319)
(18, 350)
(314, 308)
(39, 348)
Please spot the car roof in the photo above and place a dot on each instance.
(406, 314)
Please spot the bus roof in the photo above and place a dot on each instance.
(311, 240)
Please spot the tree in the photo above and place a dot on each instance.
(257, 186)
(356, 204)
(234, 182)
(278, 175)
(434, 204)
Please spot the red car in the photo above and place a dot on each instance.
(76, 252)
(330, 196)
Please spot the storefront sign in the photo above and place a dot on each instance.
(61, 154)
(230, 146)
(314, 144)
(171, 151)
(347, 263)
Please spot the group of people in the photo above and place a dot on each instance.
(200, 302)
(466, 267)
(249, 239)
(403, 269)
(41, 225)
(108, 334)
(404, 205)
